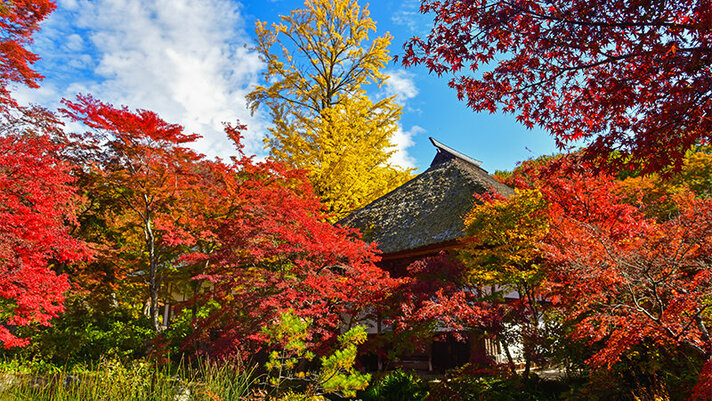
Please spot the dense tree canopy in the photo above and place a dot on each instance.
(502, 251)
(38, 204)
(275, 253)
(38, 207)
(627, 278)
(143, 163)
(618, 261)
(626, 262)
(315, 92)
(631, 78)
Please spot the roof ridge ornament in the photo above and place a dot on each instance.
(448, 151)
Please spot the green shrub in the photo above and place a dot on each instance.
(397, 386)
(468, 384)
(83, 334)
(288, 365)
(183, 325)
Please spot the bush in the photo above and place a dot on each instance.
(183, 326)
(467, 384)
(93, 334)
(287, 367)
(397, 386)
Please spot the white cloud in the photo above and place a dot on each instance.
(74, 42)
(407, 18)
(402, 140)
(401, 83)
(69, 4)
(185, 59)
(408, 15)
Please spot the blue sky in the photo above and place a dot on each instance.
(190, 61)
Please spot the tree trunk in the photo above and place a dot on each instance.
(527, 364)
(510, 360)
(531, 336)
(153, 282)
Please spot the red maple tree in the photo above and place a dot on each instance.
(143, 163)
(622, 278)
(632, 78)
(37, 198)
(38, 207)
(437, 299)
(274, 251)
(19, 19)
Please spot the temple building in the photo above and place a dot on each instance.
(421, 218)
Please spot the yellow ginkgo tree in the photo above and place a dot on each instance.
(320, 63)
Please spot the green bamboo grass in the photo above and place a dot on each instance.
(110, 380)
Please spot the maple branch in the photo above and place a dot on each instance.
(563, 70)
(129, 203)
(692, 321)
(640, 308)
(703, 329)
(547, 17)
(658, 301)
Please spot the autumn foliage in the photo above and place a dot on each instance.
(628, 278)
(623, 273)
(630, 77)
(276, 253)
(143, 162)
(19, 19)
(38, 208)
(38, 204)
(437, 293)
(251, 234)
(320, 66)
(243, 257)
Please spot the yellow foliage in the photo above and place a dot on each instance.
(696, 171)
(654, 195)
(501, 239)
(323, 119)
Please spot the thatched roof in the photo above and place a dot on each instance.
(428, 209)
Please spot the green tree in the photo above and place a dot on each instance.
(324, 121)
(289, 337)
